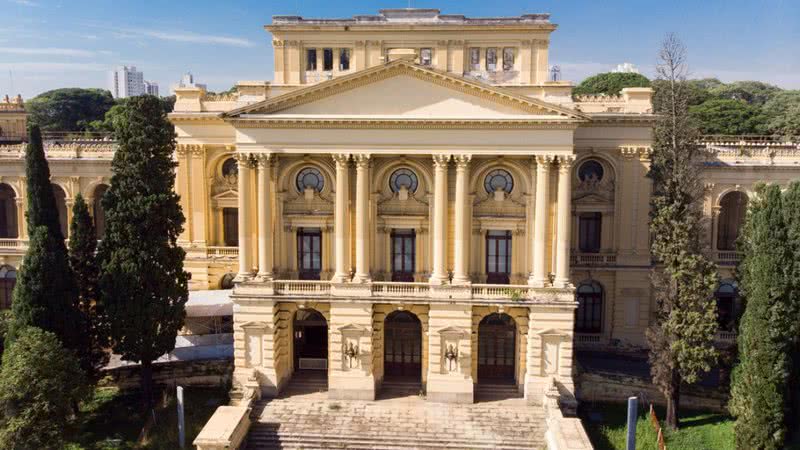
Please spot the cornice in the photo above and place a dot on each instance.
(400, 123)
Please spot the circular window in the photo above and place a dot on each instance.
(403, 178)
(230, 168)
(591, 170)
(310, 177)
(498, 180)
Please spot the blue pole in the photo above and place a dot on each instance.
(632, 415)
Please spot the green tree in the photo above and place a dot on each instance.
(5, 320)
(682, 336)
(45, 295)
(41, 383)
(83, 262)
(766, 278)
(106, 124)
(142, 283)
(753, 92)
(782, 113)
(791, 212)
(69, 109)
(610, 83)
(725, 116)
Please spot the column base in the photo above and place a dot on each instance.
(361, 278)
(461, 281)
(562, 284)
(537, 282)
(264, 276)
(340, 278)
(438, 279)
(243, 276)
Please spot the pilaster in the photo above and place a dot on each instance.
(350, 376)
(449, 378)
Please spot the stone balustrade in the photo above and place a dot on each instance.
(593, 259)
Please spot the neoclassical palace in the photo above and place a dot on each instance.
(416, 196)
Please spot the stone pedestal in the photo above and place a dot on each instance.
(257, 345)
(550, 350)
(449, 377)
(350, 375)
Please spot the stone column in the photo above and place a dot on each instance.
(463, 221)
(342, 273)
(264, 209)
(245, 245)
(362, 219)
(563, 225)
(538, 277)
(439, 272)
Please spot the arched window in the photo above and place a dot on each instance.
(589, 315)
(403, 178)
(230, 168)
(591, 170)
(498, 180)
(733, 208)
(61, 205)
(99, 212)
(8, 213)
(310, 177)
(8, 279)
(727, 295)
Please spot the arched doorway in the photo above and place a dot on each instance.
(310, 340)
(733, 208)
(402, 350)
(99, 212)
(497, 335)
(8, 213)
(61, 205)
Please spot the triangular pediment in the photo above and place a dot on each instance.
(404, 90)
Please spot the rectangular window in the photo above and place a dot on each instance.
(311, 59)
(508, 59)
(230, 226)
(498, 257)
(327, 59)
(344, 59)
(425, 56)
(589, 227)
(475, 59)
(309, 253)
(491, 59)
(403, 253)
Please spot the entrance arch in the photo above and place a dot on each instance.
(497, 335)
(310, 340)
(402, 350)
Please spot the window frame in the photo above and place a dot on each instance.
(590, 232)
(491, 66)
(592, 322)
(422, 58)
(474, 59)
(311, 63)
(327, 59)
(407, 238)
(495, 239)
(314, 235)
(344, 59)
(512, 52)
(230, 222)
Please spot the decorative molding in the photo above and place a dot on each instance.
(462, 161)
(440, 160)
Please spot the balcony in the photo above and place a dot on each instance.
(221, 252)
(12, 246)
(476, 293)
(727, 257)
(578, 259)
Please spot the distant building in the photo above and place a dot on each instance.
(126, 82)
(626, 68)
(188, 81)
(151, 88)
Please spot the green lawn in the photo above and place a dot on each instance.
(605, 424)
(112, 420)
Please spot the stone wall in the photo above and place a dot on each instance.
(217, 372)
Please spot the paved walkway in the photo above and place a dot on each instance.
(309, 420)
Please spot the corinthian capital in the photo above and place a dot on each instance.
(362, 160)
(263, 159)
(462, 161)
(565, 162)
(440, 160)
(544, 161)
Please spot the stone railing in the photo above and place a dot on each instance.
(727, 257)
(592, 259)
(588, 339)
(13, 246)
(100, 149)
(227, 429)
(563, 432)
(725, 337)
(400, 290)
(222, 252)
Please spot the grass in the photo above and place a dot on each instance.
(113, 420)
(700, 430)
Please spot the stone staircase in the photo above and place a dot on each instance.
(492, 392)
(302, 418)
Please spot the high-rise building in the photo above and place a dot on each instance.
(126, 82)
(187, 80)
(151, 88)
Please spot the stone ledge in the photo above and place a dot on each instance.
(226, 429)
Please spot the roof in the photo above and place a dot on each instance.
(209, 303)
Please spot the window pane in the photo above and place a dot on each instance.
(491, 59)
(344, 59)
(508, 58)
(327, 59)
(311, 59)
(475, 58)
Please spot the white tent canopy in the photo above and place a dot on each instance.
(209, 303)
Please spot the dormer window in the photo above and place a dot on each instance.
(344, 59)
(425, 56)
(491, 59)
(475, 59)
(508, 59)
(311, 59)
(327, 59)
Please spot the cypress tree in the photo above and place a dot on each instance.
(45, 295)
(83, 261)
(791, 210)
(681, 338)
(761, 379)
(142, 283)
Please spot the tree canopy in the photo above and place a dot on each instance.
(610, 83)
(728, 116)
(106, 124)
(69, 109)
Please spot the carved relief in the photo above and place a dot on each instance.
(452, 359)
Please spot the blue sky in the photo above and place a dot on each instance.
(47, 44)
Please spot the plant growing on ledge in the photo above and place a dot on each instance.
(681, 339)
(514, 294)
(142, 282)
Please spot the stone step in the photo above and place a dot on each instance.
(270, 440)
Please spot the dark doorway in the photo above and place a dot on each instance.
(309, 253)
(403, 255)
(497, 335)
(402, 357)
(498, 257)
(310, 340)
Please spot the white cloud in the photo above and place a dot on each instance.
(25, 2)
(186, 37)
(47, 51)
